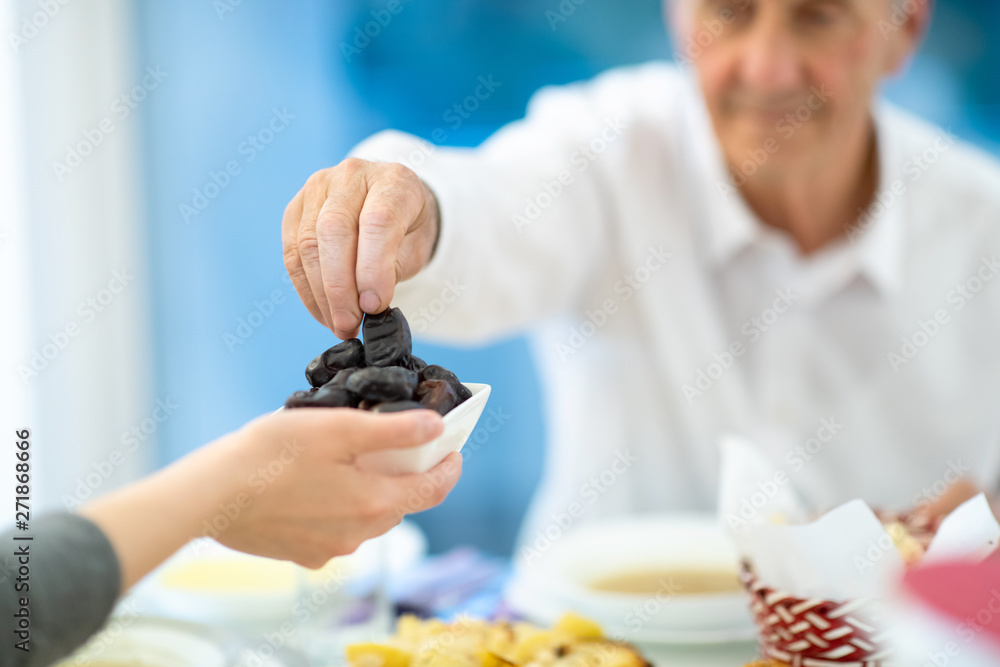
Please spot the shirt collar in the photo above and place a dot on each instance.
(729, 224)
(880, 230)
(877, 242)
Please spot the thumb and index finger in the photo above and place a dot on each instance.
(342, 240)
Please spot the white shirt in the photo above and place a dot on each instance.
(664, 314)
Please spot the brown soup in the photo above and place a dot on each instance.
(682, 581)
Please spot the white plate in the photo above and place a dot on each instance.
(556, 580)
(159, 642)
(269, 596)
(458, 426)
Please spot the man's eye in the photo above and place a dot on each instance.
(819, 15)
(733, 11)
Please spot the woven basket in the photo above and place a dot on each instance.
(822, 633)
(814, 633)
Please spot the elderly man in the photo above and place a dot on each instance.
(752, 243)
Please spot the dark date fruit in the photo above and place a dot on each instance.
(435, 372)
(377, 383)
(436, 395)
(340, 379)
(329, 396)
(380, 375)
(415, 363)
(387, 338)
(326, 396)
(349, 354)
(397, 406)
(299, 399)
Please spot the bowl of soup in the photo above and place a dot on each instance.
(654, 579)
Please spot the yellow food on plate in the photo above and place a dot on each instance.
(377, 654)
(572, 642)
(579, 627)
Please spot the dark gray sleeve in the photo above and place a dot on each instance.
(72, 580)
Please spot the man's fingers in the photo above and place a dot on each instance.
(392, 205)
(416, 493)
(337, 231)
(343, 236)
(314, 197)
(956, 494)
(293, 262)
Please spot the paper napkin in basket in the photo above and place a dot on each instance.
(817, 585)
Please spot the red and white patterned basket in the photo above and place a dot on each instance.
(814, 633)
(822, 633)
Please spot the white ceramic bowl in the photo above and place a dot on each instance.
(557, 580)
(458, 426)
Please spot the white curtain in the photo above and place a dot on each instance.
(13, 312)
(79, 355)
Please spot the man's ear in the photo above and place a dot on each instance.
(675, 14)
(905, 30)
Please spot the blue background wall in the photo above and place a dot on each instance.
(230, 66)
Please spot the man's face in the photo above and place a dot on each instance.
(794, 76)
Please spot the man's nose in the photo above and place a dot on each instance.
(770, 60)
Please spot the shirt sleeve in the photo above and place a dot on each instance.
(70, 579)
(525, 217)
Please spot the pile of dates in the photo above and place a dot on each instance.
(380, 375)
